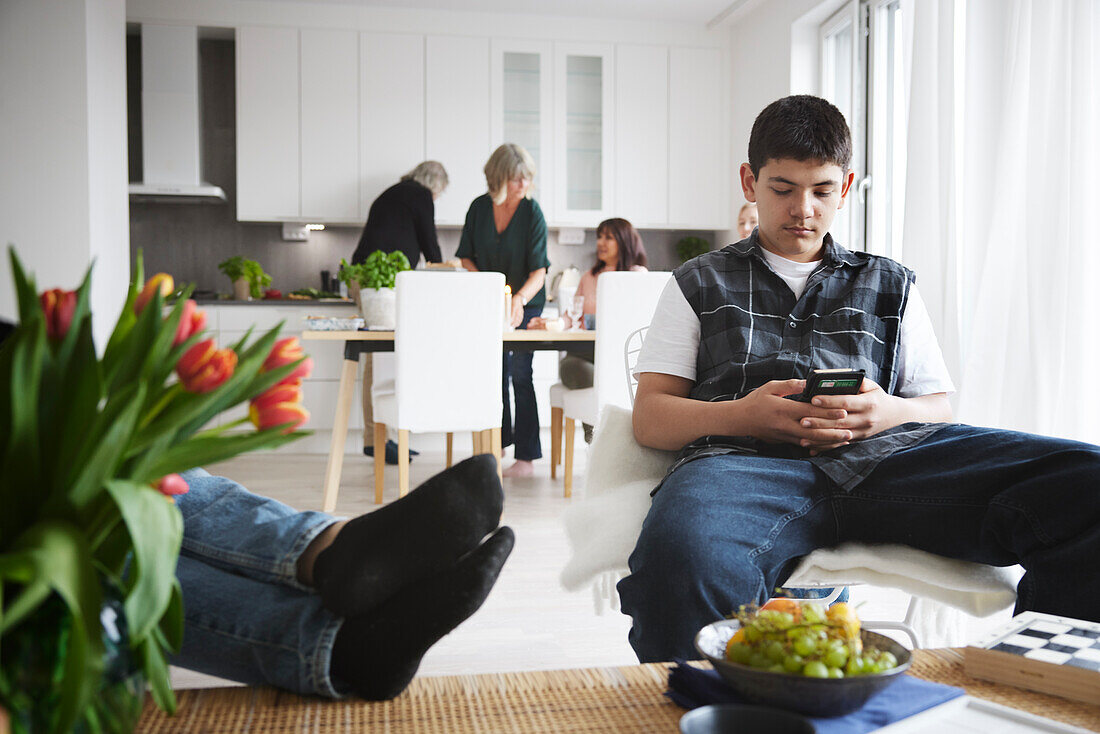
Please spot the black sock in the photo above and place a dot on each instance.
(416, 536)
(376, 654)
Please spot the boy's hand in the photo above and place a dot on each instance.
(869, 412)
(775, 419)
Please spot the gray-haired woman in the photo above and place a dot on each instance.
(403, 216)
(505, 232)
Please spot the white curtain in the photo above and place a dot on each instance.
(1002, 217)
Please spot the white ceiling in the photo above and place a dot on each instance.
(692, 12)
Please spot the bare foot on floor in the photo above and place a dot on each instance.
(520, 470)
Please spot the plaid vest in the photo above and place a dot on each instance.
(753, 329)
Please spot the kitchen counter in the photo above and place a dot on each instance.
(276, 302)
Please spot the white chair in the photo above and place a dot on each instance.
(447, 364)
(625, 301)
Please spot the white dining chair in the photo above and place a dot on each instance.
(625, 301)
(447, 365)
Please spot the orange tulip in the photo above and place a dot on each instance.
(162, 282)
(203, 367)
(281, 404)
(192, 321)
(284, 352)
(172, 485)
(58, 306)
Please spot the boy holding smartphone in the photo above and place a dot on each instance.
(761, 481)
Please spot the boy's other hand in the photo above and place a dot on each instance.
(869, 412)
(775, 419)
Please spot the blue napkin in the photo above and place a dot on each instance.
(691, 687)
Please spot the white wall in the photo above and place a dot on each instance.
(63, 153)
(772, 54)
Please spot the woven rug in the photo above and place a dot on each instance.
(628, 699)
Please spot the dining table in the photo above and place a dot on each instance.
(366, 341)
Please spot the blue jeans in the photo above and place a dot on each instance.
(517, 367)
(246, 616)
(725, 530)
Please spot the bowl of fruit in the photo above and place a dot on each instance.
(802, 657)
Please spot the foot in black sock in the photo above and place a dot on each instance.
(416, 536)
(376, 654)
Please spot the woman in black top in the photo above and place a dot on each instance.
(403, 216)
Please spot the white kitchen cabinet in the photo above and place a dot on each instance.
(641, 134)
(521, 102)
(457, 119)
(584, 124)
(699, 157)
(330, 125)
(268, 174)
(391, 111)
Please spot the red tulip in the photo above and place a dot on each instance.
(203, 367)
(281, 404)
(192, 321)
(162, 282)
(284, 352)
(58, 306)
(172, 485)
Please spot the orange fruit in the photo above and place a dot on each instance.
(738, 636)
(790, 606)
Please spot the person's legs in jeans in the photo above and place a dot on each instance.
(517, 367)
(722, 531)
(995, 497)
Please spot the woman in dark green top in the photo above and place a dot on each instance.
(505, 232)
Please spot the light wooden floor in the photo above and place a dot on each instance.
(529, 622)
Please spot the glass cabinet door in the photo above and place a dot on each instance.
(521, 108)
(584, 121)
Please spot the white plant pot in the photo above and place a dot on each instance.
(379, 307)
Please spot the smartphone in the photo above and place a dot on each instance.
(830, 382)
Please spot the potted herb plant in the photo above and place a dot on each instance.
(376, 277)
(691, 246)
(249, 279)
(92, 447)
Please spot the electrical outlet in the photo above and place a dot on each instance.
(294, 232)
(570, 236)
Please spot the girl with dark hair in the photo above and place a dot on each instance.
(618, 247)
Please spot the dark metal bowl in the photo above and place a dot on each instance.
(729, 718)
(813, 696)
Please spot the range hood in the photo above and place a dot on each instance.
(171, 150)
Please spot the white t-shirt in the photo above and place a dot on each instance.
(672, 343)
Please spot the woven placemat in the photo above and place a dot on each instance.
(628, 699)
(625, 700)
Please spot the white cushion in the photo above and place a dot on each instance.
(581, 405)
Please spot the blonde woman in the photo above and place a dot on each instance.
(505, 232)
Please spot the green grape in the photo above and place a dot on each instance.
(775, 651)
(776, 668)
(835, 672)
(758, 660)
(888, 660)
(836, 657)
(739, 652)
(815, 669)
(805, 646)
(752, 634)
(854, 666)
(813, 613)
(793, 663)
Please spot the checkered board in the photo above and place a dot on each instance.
(1042, 652)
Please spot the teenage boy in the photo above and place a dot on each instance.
(761, 480)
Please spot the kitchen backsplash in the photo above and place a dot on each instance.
(189, 240)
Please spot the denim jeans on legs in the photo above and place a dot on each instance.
(246, 616)
(723, 530)
(517, 368)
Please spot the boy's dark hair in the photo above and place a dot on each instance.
(803, 128)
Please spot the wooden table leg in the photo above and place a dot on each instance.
(475, 437)
(402, 462)
(339, 435)
(379, 461)
(497, 451)
(557, 416)
(450, 448)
